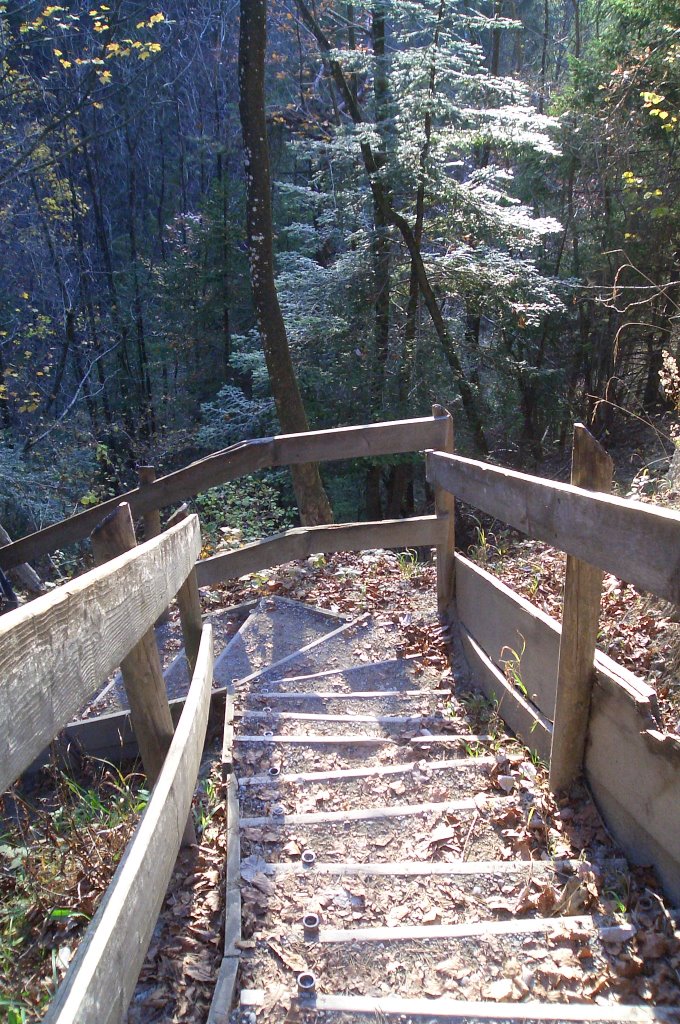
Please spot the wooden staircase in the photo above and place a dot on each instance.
(375, 870)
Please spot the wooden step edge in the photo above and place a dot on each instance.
(266, 695)
(302, 716)
(411, 868)
(463, 930)
(306, 649)
(445, 1008)
(223, 994)
(366, 773)
(325, 673)
(345, 739)
(377, 813)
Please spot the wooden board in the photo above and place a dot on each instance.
(509, 619)
(466, 1011)
(231, 463)
(591, 467)
(100, 981)
(517, 712)
(637, 543)
(364, 813)
(56, 651)
(367, 772)
(312, 540)
(415, 868)
(634, 774)
(501, 621)
(464, 930)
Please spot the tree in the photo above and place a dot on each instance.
(311, 497)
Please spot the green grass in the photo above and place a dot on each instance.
(58, 852)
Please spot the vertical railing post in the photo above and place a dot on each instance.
(141, 667)
(151, 519)
(189, 603)
(591, 468)
(444, 504)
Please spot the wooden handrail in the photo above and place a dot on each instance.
(238, 460)
(101, 978)
(304, 541)
(56, 651)
(635, 542)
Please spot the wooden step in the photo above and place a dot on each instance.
(467, 1011)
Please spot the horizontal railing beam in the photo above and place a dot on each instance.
(314, 540)
(635, 542)
(57, 650)
(238, 460)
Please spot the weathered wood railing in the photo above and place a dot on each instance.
(240, 459)
(610, 716)
(54, 653)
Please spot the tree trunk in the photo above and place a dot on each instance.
(309, 492)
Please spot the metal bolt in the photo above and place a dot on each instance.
(268, 733)
(278, 810)
(274, 771)
(308, 857)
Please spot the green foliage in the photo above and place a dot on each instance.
(242, 511)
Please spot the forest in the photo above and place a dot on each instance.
(221, 221)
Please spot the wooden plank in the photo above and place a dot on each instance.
(223, 996)
(232, 890)
(189, 603)
(368, 772)
(501, 621)
(228, 740)
(634, 774)
(302, 716)
(416, 868)
(141, 667)
(509, 620)
(26, 575)
(517, 712)
(445, 507)
(304, 541)
(152, 523)
(229, 464)
(365, 813)
(466, 1011)
(342, 739)
(56, 651)
(592, 468)
(465, 930)
(265, 696)
(637, 543)
(101, 979)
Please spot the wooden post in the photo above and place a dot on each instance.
(592, 469)
(189, 602)
(152, 521)
(27, 576)
(141, 668)
(444, 504)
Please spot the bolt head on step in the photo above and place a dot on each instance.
(278, 810)
(310, 923)
(308, 857)
(306, 983)
(274, 771)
